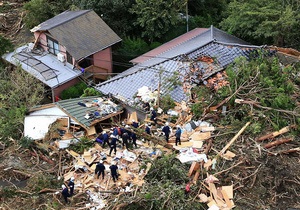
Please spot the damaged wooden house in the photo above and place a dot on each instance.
(197, 57)
(68, 48)
(70, 119)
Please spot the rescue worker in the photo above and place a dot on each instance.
(65, 193)
(134, 137)
(125, 138)
(71, 185)
(178, 135)
(113, 171)
(153, 115)
(167, 130)
(105, 138)
(135, 124)
(100, 168)
(113, 144)
(148, 129)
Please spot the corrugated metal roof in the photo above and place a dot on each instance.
(78, 112)
(167, 46)
(83, 32)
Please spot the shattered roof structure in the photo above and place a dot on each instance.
(82, 32)
(215, 44)
(78, 108)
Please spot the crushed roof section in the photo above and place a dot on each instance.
(83, 32)
(126, 86)
(77, 109)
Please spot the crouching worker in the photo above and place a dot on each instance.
(65, 193)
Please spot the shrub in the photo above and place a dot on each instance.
(74, 92)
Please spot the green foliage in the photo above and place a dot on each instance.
(166, 103)
(73, 92)
(167, 168)
(8, 192)
(133, 47)
(115, 13)
(164, 187)
(42, 181)
(264, 21)
(37, 11)
(265, 81)
(155, 17)
(90, 92)
(26, 142)
(5, 45)
(11, 123)
(203, 100)
(83, 144)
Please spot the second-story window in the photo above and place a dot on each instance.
(53, 46)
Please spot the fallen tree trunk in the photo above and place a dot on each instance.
(277, 142)
(274, 134)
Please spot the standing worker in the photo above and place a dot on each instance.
(167, 130)
(113, 144)
(178, 135)
(148, 129)
(125, 138)
(71, 185)
(113, 171)
(153, 115)
(105, 138)
(134, 137)
(100, 168)
(65, 193)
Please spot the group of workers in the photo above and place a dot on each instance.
(126, 134)
(100, 170)
(111, 138)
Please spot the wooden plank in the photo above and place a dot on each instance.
(197, 174)
(91, 131)
(226, 198)
(194, 167)
(228, 190)
(198, 136)
(274, 134)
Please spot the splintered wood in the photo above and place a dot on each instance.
(220, 197)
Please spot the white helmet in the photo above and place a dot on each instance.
(63, 186)
(103, 132)
(127, 126)
(177, 126)
(72, 178)
(167, 123)
(101, 161)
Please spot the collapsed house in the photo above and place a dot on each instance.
(73, 118)
(195, 58)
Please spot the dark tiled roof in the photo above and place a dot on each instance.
(128, 84)
(77, 112)
(83, 32)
